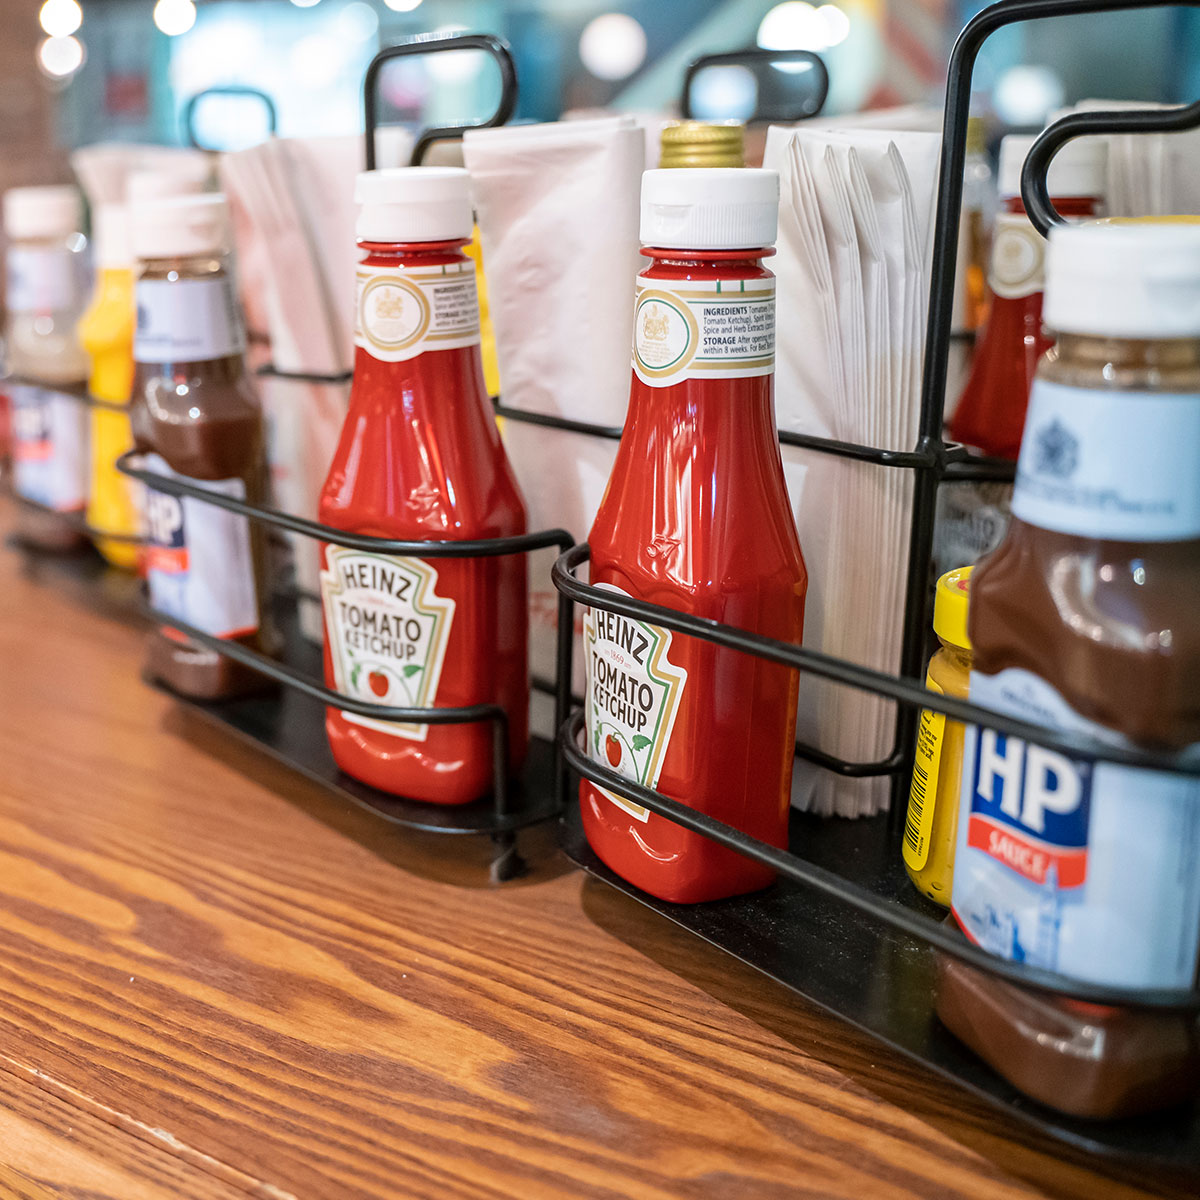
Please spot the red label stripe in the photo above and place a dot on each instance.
(1026, 855)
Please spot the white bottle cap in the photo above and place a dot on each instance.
(710, 208)
(1118, 279)
(155, 183)
(179, 226)
(1078, 169)
(414, 204)
(110, 237)
(42, 212)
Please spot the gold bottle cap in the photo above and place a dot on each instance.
(703, 144)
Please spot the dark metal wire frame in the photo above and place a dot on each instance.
(905, 692)
(741, 58)
(74, 520)
(520, 543)
(300, 682)
(1035, 191)
(954, 463)
(475, 548)
(270, 371)
(189, 109)
(436, 43)
(925, 929)
(80, 397)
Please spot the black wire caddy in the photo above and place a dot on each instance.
(842, 925)
(289, 724)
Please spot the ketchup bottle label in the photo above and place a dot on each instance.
(187, 320)
(387, 629)
(400, 314)
(633, 693)
(1090, 869)
(1108, 464)
(49, 436)
(703, 329)
(198, 561)
(1018, 264)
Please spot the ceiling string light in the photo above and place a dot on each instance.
(60, 57)
(60, 18)
(174, 17)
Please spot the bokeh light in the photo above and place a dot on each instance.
(60, 57)
(613, 46)
(60, 18)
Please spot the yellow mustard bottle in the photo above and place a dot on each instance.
(487, 335)
(929, 832)
(106, 331)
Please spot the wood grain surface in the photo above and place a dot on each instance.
(215, 981)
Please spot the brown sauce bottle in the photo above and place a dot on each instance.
(196, 414)
(1085, 619)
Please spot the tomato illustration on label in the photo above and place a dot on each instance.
(387, 629)
(633, 693)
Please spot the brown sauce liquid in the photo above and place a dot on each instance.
(213, 431)
(1113, 627)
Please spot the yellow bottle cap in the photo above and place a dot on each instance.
(950, 607)
(703, 144)
(1164, 219)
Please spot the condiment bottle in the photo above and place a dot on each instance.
(197, 416)
(1085, 619)
(991, 413)
(702, 144)
(696, 518)
(929, 832)
(45, 294)
(978, 214)
(420, 459)
(106, 331)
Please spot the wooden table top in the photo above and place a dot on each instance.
(218, 982)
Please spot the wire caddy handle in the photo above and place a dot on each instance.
(189, 110)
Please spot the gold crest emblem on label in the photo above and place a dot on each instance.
(666, 334)
(393, 314)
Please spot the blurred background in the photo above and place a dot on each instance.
(82, 71)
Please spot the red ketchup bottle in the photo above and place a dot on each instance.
(696, 518)
(991, 414)
(420, 458)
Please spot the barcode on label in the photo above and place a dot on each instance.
(922, 796)
(916, 807)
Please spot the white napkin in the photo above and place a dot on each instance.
(853, 277)
(297, 197)
(1149, 174)
(557, 207)
(104, 167)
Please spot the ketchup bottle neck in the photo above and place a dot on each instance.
(413, 254)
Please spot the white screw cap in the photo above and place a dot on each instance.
(156, 183)
(181, 226)
(1118, 279)
(414, 204)
(710, 208)
(42, 212)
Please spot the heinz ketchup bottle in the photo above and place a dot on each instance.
(991, 414)
(696, 518)
(420, 459)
